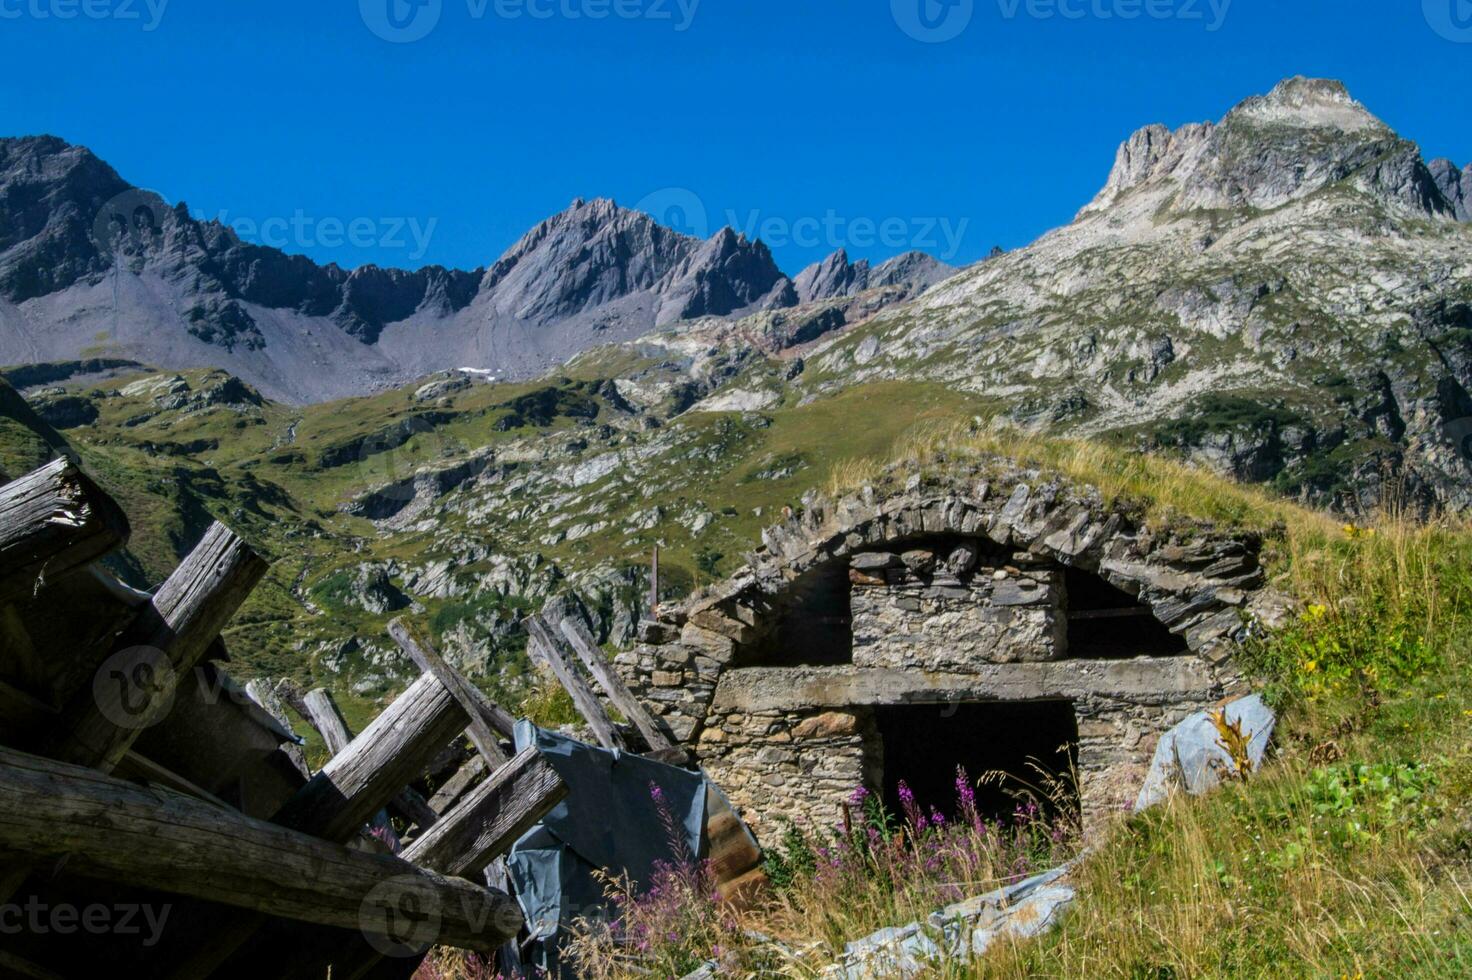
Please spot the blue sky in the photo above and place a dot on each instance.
(819, 123)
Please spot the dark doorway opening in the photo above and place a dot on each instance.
(1106, 623)
(924, 744)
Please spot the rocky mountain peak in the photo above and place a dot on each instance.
(1310, 103)
(1268, 151)
(836, 276)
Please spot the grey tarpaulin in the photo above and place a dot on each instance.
(608, 820)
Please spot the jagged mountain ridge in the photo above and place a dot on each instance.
(92, 265)
(837, 277)
(1285, 294)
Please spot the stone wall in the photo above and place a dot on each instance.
(915, 610)
(956, 597)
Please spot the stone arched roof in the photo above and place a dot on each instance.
(1202, 582)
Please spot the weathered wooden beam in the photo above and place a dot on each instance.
(455, 787)
(323, 713)
(134, 688)
(325, 716)
(492, 816)
(488, 720)
(140, 767)
(613, 686)
(113, 830)
(414, 808)
(545, 648)
(390, 753)
(273, 706)
(472, 836)
(52, 521)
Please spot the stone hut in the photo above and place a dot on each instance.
(1005, 623)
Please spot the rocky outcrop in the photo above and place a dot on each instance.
(1455, 185)
(836, 276)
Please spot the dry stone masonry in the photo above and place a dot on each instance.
(994, 621)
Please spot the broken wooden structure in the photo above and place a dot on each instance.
(140, 784)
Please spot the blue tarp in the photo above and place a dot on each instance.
(609, 820)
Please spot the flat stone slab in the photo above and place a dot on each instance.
(1143, 680)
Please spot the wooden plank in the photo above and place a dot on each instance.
(545, 648)
(134, 688)
(113, 830)
(455, 787)
(52, 521)
(413, 808)
(139, 767)
(272, 705)
(488, 720)
(469, 838)
(485, 824)
(324, 716)
(390, 753)
(613, 686)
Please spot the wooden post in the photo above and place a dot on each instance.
(491, 817)
(487, 718)
(324, 716)
(113, 830)
(53, 521)
(654, 584)
(545, 647)
(618, 692)
(371, 770)
(135, 687)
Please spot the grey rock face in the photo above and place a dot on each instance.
(1455, 185)
(836, 276)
